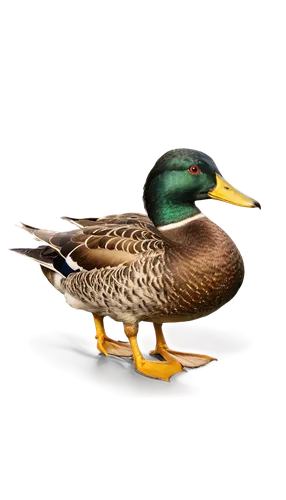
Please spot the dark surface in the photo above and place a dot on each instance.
(77, 355)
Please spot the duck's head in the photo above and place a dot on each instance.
(181, 177)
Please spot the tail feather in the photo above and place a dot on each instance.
(43, 255)
(40, 234)
(48, 257)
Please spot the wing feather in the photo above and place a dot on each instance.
(108, 241)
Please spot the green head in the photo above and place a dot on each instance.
(178, 179)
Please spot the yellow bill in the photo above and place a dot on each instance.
(223, 191)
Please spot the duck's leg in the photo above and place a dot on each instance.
(107, 345)
(156, 369)
(99, 332)
(186, 359)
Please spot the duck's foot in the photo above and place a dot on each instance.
(162, 370)
(107, 345)
(116, 348)
(188, 360)
(100, 342)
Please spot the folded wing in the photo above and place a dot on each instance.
(104, 242)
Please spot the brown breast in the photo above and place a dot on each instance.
(206, 268)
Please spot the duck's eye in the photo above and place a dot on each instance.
(194, 169)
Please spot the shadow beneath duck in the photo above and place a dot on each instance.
(211, 342)
(77, 355)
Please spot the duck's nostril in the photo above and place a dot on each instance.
(226, 187)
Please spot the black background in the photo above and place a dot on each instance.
(60, 169)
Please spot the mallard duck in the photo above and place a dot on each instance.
(171, 265)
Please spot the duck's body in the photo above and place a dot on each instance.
(173, 266)
(172, 275)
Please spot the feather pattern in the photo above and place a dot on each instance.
(124, 267)
(110, 241)
(172, 277)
